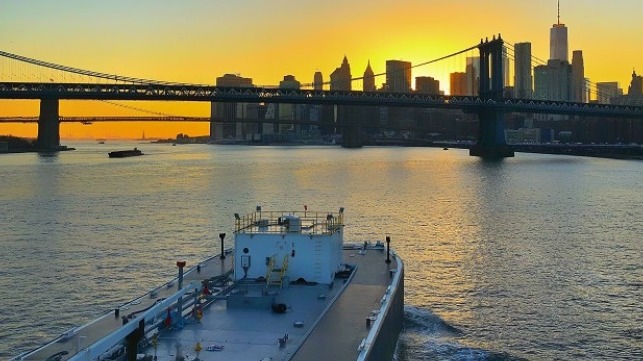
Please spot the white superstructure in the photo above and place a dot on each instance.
(293, 246)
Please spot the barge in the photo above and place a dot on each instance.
(290, 289)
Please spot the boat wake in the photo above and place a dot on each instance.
(424, 321)
(428, 337)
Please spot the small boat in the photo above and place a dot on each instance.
(125, 153)
(445, 148)
(290, 289)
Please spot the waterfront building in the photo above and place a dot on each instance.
(368, 82)
(579, 94)
(340, 79)
(398, 76)
(223, 115)
(234, 80)
(458, 83)
(289, 111)
(523, 79)
(427, 85)
(318, 81)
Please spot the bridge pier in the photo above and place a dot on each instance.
(49, 125)
(491, 136)
(351, 129)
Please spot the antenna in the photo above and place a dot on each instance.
(558, 12)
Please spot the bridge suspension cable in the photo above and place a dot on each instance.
(401, 70)
(143, 81)
(115, 77)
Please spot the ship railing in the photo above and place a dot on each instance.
(366, 346)
(152, 316)
(281, 222)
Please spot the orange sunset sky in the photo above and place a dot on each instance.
(197, 41)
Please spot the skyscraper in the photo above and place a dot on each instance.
(606, 91)
(318, 81)
(472, 79)
(227, 113)
(551, 81)
(558, 40)
(523, 80)
(398, 76)
(368, 84)
(578, 77)
(458, 83)
(340, 79)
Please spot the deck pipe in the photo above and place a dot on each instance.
(222, 236)
(179, 302)
(388, 249)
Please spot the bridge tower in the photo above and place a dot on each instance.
(491, 136)
(49, 125)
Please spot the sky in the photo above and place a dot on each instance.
(199, 40)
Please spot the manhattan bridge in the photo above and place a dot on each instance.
(22, 77)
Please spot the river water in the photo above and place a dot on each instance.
(539, 257)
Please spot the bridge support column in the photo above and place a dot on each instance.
(49, 125)
(491, 136)
(351, 129)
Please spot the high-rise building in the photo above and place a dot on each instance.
(398, 76)
(472, 72)
(506, 69)
(636, 85)
(318, 81)
(340, 79)
(552, 81)
(578, 78)
(224, 115)
(427, 85)
(234, 80)
(368, 84)
(606, 91)
(523, 80)
(458, 83)
(289, 82)
(289, 111)
(558, 41)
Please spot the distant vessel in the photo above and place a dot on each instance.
(125, 153)
(291, 289)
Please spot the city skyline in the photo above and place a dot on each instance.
(265, 42)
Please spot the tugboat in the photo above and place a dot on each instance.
(125, 153)
(291, 289)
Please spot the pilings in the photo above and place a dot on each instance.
(49, 125)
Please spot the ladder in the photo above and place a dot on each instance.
(274, 274)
